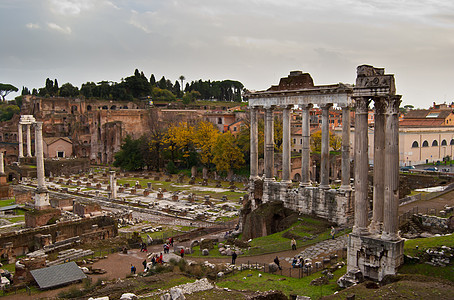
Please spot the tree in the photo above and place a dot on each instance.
(335, 141)
(190, 97)
(130, 156)
(179, 138)
(159, 94)
(7, 111)
(152, 81)
(227, 155)
(68, 90)
(204, 139)
(5, 89)
(182, 78)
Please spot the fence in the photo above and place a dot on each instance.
(296, 272)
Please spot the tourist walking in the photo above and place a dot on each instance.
(293, 244)
(182, 252)
(144, 263)
(276, 261)
(133, 269)
(234, 256)
(333, 232)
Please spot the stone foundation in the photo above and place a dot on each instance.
(374, 257)
(37, 218)
(333, 205)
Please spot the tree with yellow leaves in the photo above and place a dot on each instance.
(227, 155)
(204, 139)
(179, 138)
(335, 142)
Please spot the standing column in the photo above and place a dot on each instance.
(269, 144)
(306, 153)
(391, 203)
(29, 141)
(41, 193)
(21, 142)
(286, 145)
(379, 166)
(113, 185)
(39, 155)
(254, 144)
(361, 166)
(2, 166)
(345, 180)
(324, 159)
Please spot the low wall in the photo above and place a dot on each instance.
(23, 241)
(437, 223)
(333, 205)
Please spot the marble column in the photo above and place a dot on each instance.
(21, 142)
(361, 166)
(324, 157)
(39, 155)
(41, 193)
(254, 144)
(2, 166)
(376, 224)
(286, 163)
(269, 144)
(345, 179)
(113, 185)
(306, 151)
(29, 141)
(391, 203)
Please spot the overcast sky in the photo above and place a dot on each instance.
(253, 41)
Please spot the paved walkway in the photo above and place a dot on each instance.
(324, 247)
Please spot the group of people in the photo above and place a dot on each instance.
(298, 262)
(167, 245)
(143, 247)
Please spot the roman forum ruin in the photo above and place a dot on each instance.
(375, 249)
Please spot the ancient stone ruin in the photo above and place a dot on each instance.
(375, 250)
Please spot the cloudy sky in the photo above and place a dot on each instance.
(253, 41)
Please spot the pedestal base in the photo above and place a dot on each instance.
(41, 199)
(373, 256)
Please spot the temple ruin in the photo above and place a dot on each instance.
(374, 249)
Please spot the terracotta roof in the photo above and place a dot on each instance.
(423, 113)
(51, 140)
(435, 122)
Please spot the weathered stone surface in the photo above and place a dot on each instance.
(268, 218)
(205, 252)
(272, 267)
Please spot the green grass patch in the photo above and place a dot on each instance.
(7, 202)
(428, 270)
(288, 285)
(425, 243)
(17, 219)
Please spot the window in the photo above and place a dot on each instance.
(301, 141)
(219, 120)
(444, 143)
(415, 144)
(234, 128)
(294, 141)
(452, 142)
(425, 144)
(434, 143)
(60, 154)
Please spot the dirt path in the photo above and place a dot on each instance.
(424, 205)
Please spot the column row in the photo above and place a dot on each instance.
(286, 146)
(21, 142)
(386, 167)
